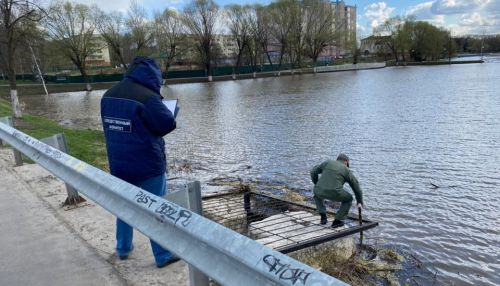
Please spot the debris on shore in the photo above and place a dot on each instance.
(366, 266)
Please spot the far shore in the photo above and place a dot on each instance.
(37, 88)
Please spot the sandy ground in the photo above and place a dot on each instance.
(92, 227)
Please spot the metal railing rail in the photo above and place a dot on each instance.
(349, 67)
(225, 255)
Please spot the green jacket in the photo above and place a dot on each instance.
(333, 176)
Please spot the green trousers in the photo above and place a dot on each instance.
(343, 196)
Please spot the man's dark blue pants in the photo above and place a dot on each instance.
(124, 232)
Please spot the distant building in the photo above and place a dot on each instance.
(345, 24)
(225, 50)
(345, 28)
(100, 56)
(375, 45)
(227, 47)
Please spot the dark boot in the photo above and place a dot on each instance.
(324, 220)
(337, 223)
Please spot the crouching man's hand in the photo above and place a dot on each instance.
(359, 205)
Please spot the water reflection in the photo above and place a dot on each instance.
(404, 128)
(75, 109)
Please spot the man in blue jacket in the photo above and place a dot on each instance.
(135, 120)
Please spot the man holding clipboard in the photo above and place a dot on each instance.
(134, 120)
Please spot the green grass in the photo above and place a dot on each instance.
(84, 144)
(34, 88)
(6, 82)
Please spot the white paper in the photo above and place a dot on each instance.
(171, 105)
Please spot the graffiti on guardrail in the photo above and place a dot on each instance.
(144, 198)
(49, 151)
(165, 210)
(174, 213)
(284, 271)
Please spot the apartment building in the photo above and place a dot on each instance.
(100, 56)
(345, 27)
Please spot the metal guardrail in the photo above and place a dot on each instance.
(17, 155)
(58, 141)
(225, 255)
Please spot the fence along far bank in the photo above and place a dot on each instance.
(220, 73)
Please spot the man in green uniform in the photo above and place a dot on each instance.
(330, 186)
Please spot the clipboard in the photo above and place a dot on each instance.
(172, 105)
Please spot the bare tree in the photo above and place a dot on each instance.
(352, 45)
(17, 20)
(170, 34)
(200, 17)
(281, 25)
(388, 32)
(72, 27)
(260, 21)
(296, 14)
(239, 19)
(111, 28)
(319, 26)
(403, 37)
(139, 27)
(254, 50)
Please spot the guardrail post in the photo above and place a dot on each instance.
(190, 198)
(18, 159)
(58, 141)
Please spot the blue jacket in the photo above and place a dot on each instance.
(134, 121)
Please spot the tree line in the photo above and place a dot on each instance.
(411, 40)
(285, 31)
(478, 44)
(406, 39)
(294, 32)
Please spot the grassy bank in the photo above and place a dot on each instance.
(84, 144)
(35, 88)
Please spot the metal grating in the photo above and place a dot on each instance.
(280, 224)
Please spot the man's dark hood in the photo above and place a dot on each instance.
(146, 72)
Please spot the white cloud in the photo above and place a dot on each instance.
(475, 19)
(377, 13)
(109, 5)
(361, 31)
(493, 6)
(448, 7)
(461, 16)
(123, 5)
(423, 12)
(476, 23)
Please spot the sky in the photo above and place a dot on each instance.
(462, 17)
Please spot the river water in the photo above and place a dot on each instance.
(405, 129)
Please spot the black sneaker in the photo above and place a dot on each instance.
(168, 262)
(337, 223)
(323, 220)
(125, 256)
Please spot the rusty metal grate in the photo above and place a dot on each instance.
(280, 224)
